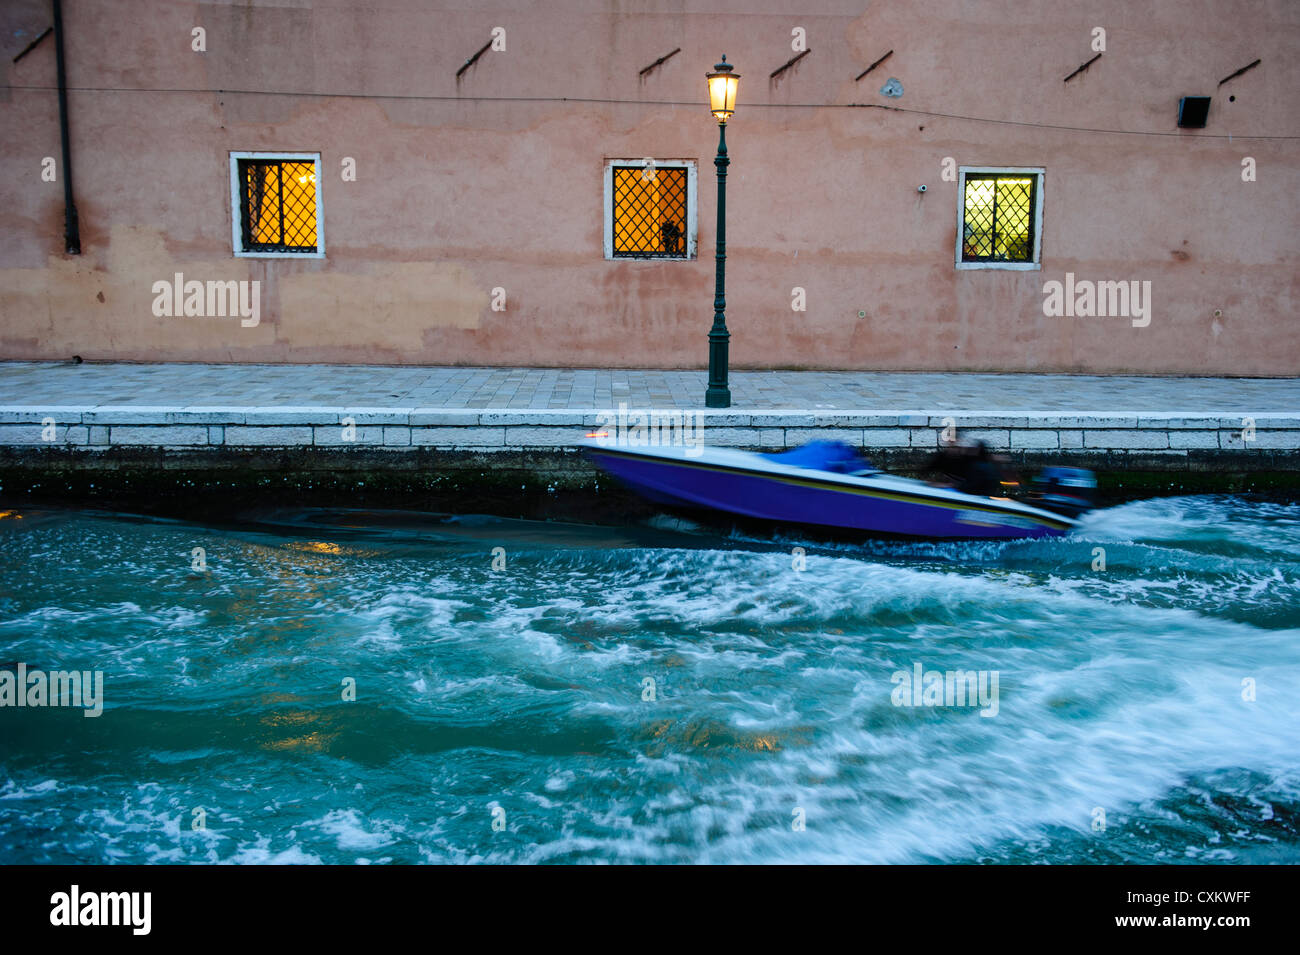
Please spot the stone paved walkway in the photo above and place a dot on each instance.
(32, 384)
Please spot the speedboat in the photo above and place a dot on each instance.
(825, 485)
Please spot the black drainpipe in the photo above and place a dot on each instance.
(71, 229)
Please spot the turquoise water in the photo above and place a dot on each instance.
(504, 715)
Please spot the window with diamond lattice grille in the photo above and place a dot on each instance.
(650, 209)
(998, 219)
(277, 205)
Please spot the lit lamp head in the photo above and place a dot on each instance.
(722, 90)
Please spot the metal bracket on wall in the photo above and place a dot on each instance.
(873, 66)
(48, 30)
(789, 63)
(473, 59)
(1083, 67)
(1233, 76)
(659, 62)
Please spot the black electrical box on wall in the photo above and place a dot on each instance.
(1192, 111)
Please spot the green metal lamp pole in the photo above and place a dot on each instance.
(718, 394)
(722, 96)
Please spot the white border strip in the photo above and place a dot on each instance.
(692, 208)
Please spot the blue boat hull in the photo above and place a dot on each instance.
(871, 505)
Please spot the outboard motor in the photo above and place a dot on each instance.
(1068, 491)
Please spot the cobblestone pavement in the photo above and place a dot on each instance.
(31, 384)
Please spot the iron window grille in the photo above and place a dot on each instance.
(650, 212)
(278, 205)
(999, 217)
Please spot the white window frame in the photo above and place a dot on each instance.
(692, 209)
(236, 236)
(1037, 263)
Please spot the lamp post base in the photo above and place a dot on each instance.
(717, 398)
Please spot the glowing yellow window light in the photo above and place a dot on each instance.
(281, 199)
(998, 219)
(649, 211)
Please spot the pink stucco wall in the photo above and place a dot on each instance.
(496, 181)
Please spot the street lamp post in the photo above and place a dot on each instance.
(722, 102)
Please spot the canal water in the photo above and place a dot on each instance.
(341, 687)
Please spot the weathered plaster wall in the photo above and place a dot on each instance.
(492, 181)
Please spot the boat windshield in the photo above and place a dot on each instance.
(834, 456)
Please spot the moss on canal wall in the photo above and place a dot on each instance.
(547, 483)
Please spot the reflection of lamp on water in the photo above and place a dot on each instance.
(315, 547)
